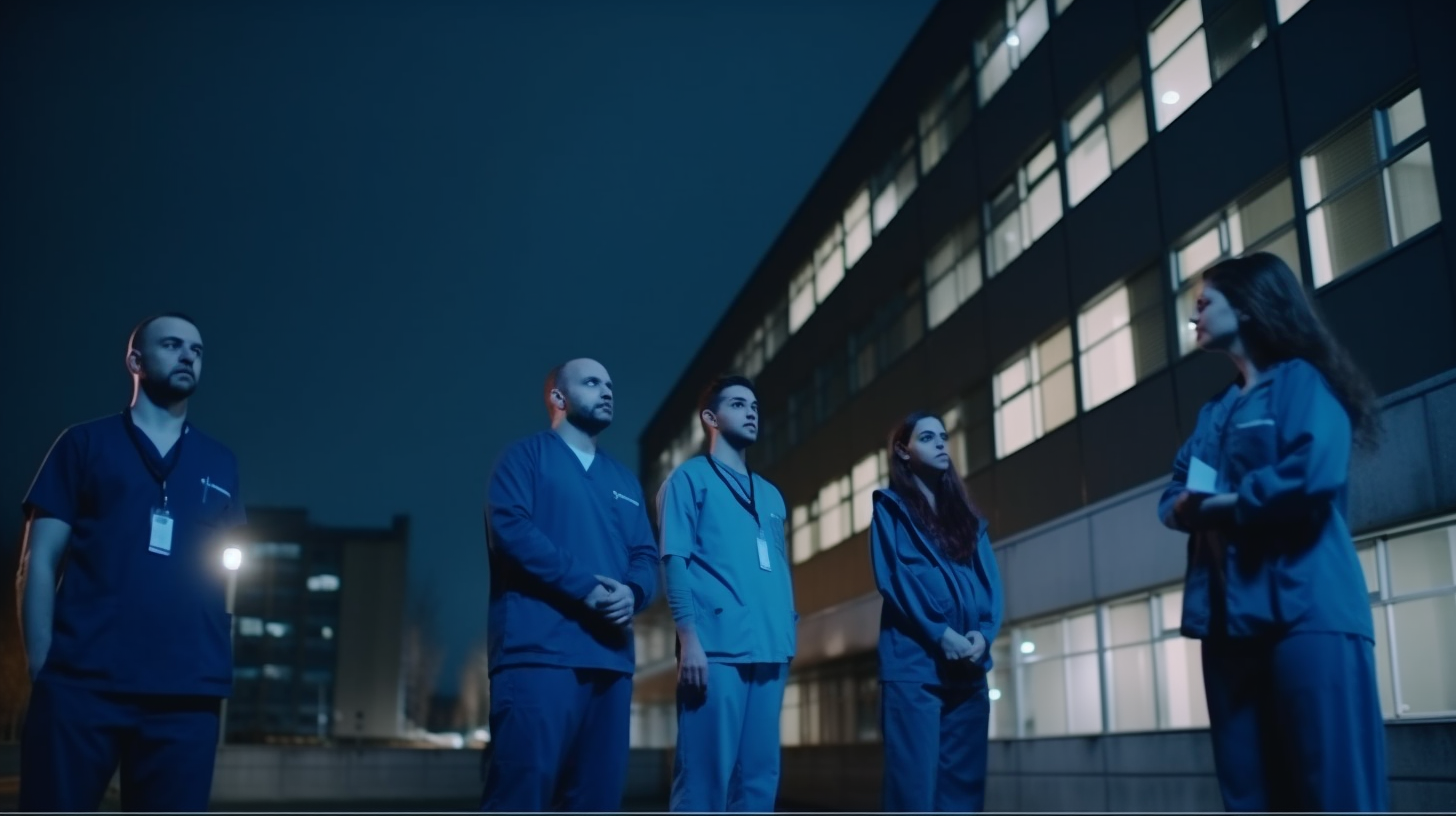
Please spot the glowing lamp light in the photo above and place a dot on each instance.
(1013, 40)
(1171, 98)
(1027, 647)
(232, 558)
(994, 694)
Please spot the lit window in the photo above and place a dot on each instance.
(250, 627)
(968, 424)
(801, 298)
(1062, 6)
(857, 233)
(894, 328)
(828, 264)
(323, 583)
(1025, 209)
(1006, 41)
(327, 633)
(765, 341)
(1105, 131)
(953, 272)
(1034, 394)
(893, 185)
(944, 118)
(273, 671)
(805, 531)
(1261, 221)
(273, 549)
(1179, 56)
(1369, 188)
(869, 475)
(277, 629)
(246, 672)
(1288, 8)
(834, 511)
(1060, 676)
(1120, 335)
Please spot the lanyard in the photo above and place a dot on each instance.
(160, 472)
(748, 503)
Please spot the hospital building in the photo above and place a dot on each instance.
(1011, 235)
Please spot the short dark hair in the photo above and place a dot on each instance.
(136, 333)
(712, 396)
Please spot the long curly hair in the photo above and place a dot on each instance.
(955, 524)
(1282, 324)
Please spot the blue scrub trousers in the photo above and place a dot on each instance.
(74, 738)
(1296, 723)
(728, 740)
(559, 739)
(935, 745)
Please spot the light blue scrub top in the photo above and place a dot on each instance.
(742, 613)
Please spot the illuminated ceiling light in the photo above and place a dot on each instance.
(1027, 647)
(1171, 98)
(232, 558)
(1013, 40)
(994, 694)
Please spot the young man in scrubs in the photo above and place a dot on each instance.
(571, 561)
(123, 595)
(728, 585)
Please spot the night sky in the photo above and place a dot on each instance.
(390, 219)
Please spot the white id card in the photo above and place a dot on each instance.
(763, 562)
(161, 542)
(1202, 478)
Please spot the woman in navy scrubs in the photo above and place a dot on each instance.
(1274, 588)
(942, 609)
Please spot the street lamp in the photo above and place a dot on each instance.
(232, 560)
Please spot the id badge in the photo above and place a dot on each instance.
(161, 542)
(763, 562)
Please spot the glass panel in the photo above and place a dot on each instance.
(1013, 378)
(1180, 683)
(1348, 231)
(1420, 561)
(1128, 127)
(1085, 711)
(1085, 116)
(1267, 212)
(1130, 671)
(1287, 8)
(1005, 242)
(1082, 632)
(1235, 33)
(1406, 117)
(1045, 205)
(856, 242)
(1032, 27)
(1199, 254)
(1002, 691)
(994, 73)
(1128, 78)
(1171, 609)
(1173, 30)
(1109, 369)
(1103, 317)
(1340, 162)
(1042, 640)
(1059, 399)
(1413, 193)
(1129, 623)
(1046, 699)
(1182, 80)
(1382, 662)
(941, 300)
(1015, 428)
(1088, 165)
(968, 276)
(1055, 350)
(1424, 632)
(1043, 161)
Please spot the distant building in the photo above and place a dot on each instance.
(318, 630)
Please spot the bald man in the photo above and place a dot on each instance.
(572, 559)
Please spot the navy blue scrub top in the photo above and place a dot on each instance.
(128, 619)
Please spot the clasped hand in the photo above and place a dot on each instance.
(970, 646)
(612, 599)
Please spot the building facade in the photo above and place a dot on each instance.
(318, 630)
(1012, 235)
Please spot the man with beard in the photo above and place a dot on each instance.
(731, 596)
(571, 561)
(131, 655)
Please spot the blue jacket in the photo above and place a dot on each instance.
(925, 592)
(1285, 561)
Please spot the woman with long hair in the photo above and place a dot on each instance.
(1274, 587)
(942, 609)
